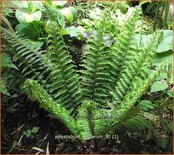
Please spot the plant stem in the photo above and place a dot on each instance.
(167, 5)
(156, 14)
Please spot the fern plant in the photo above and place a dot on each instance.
(7, 67)
(103, 96)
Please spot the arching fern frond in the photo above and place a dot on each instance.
(120, 49)
(120, 114)
(139, 88)
(95, 73)
(136, 123)
(36, 92)
(63, 80)
(28, 58)
(7, 62)
(137, 67)
(96, 77)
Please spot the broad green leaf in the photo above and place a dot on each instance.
(21, 4)
(24, 6)
(167, 43)
(70, 14)
(142, 39)
(31, 6)
(74, 32)
(23, 17)
(32, 30)
(146, 105)
(59, 3)
(61, 21)
(164, 46)
(164, 56)
(158, 86)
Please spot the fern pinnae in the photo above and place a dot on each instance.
(95, 81)
(36, 91)
(133, 96)
(136, 68)
(127, 105)
(91, 80)
(29, 59)
(121, 46)
(66, 91)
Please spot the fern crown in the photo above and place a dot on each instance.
(101, 97)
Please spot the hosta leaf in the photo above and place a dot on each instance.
(74, 32)
(59, 3)
(164, 56)
(158, 86)
(23, 17)
(32, 30)
(167, 43)
(70, 14)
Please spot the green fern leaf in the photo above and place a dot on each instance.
(63, 80)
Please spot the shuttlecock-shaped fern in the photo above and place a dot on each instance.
(102, 97)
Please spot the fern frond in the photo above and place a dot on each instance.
(121, 46)
(85, 119)
(136, 68)
(96, 78)
(95, 72)
(36, 92)
(92, 120)
(121, 114)
(63, 80)
(28, 58)
(3, 86)
(102, 121)
(138, 90)
(136, 123)
(7, 61)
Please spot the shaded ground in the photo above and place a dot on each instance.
(19, 115)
